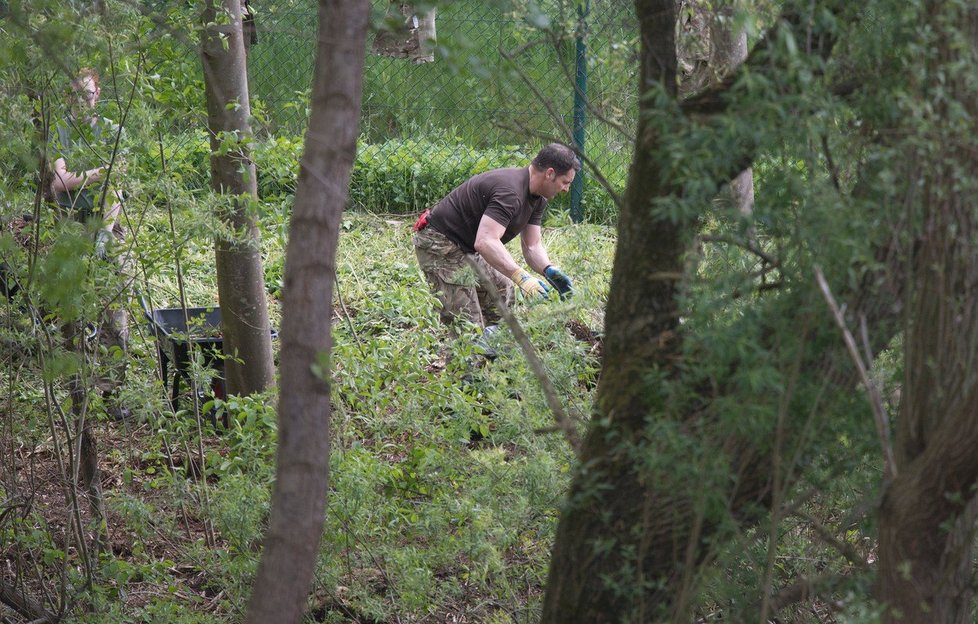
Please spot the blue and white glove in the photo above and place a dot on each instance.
(559, 280)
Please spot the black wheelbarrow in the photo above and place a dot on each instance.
(177, 332)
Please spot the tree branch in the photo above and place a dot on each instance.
(844, 549)
(746, 245)
(830, 163)
(714, 99)
(24, 605)
(563, 421)
(599, 115)
(872, 389)
(804, 589)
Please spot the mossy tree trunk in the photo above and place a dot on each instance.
(636, 530)
(927, 519)
(638, 523)
(609, 502)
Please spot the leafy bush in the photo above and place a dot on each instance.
(408, 175)
(405, 176)
(186, 156)
(399, 176)
(277, 161)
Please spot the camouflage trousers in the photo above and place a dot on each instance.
(454, 282)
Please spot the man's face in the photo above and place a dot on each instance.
(555, 183)
(86, 93)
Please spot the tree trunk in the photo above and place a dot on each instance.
(709, 49)
(642, 515)
(91, 478)
(86, 455)
(641, 318)
(928, 514)
(247, 339)
(729, 51)
(299, 498)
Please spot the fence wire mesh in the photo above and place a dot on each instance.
(506, 78)
(502, 83)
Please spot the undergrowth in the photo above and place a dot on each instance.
(444, 494)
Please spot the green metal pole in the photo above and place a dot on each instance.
(580, 109)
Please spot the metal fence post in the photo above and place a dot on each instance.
(580, 109)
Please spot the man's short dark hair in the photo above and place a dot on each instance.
(557, 156)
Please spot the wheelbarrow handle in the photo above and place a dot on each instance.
(144, 305)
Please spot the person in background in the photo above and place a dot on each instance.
(476, 220)
(82, 145)
(82, 149)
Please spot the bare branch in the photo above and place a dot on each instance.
(872, 388)
(564, 128)
(563, 421)
(594, 169)
(746, 245)
(599, 115)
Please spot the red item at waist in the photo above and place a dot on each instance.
(422, 221)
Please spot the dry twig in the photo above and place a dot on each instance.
(872, 387)
(563, 421)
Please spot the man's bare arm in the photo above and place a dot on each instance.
(531, 240)
(488, 242)
(65, 181)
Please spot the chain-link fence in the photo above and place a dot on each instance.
(505, 79)
(506, 76)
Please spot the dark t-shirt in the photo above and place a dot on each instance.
(501, 194)
(83, 146)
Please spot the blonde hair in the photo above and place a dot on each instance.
(83, 73)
